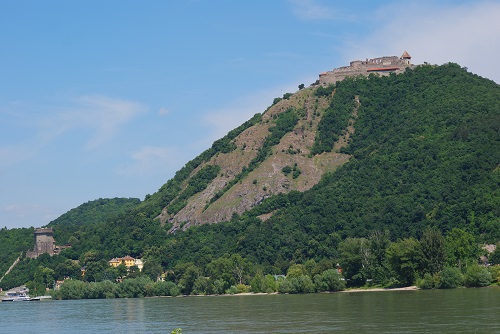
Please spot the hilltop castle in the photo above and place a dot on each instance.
(381, 66)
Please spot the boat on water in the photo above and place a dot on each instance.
(19, 295)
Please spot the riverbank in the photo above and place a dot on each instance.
(407, 288)
(354, 290)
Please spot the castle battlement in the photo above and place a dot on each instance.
(381, 65)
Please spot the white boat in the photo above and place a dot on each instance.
(17, 296)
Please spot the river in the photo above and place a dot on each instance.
(427, 311)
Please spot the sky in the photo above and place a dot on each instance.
(103, 99)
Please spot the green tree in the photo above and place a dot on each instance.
(433, 247)
(189, 274)
(329, 280)
(405, 259)
(462, 248)
(44, 276)
(376, 266)
(296, 270)
(353, 256)
(67, 269)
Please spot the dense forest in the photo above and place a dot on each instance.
(414, 204)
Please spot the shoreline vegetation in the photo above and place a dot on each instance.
(244, 294)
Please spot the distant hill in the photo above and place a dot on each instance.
(91, 212)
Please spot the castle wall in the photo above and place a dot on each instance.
(381, 66)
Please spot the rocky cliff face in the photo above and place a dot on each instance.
(288, 166)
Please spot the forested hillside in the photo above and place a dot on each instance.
(88, 214)
(407, 169)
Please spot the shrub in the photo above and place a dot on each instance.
(329, 280)
(242, 288)
(302, 284)
(477, 276)
(495, 273)
(284, 286)
(450, 278)
(72, 289)
(427, 282)
(232, 290)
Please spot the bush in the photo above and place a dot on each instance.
(72, 289)
(450, 278)
(242, 288)
(427, 282)
(477, 276)
(302, 284)
(232, 290)
(495, 273)
(329, 280)
(284, 286)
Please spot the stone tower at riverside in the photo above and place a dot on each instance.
(381, 66)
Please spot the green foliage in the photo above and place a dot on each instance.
(405, 257)
(329, 280)
(353, 254)
(196, 184)
(286, 170)
(450, 278)
(477, 276)
(13, 243)
(427, 282)
(129, 288)
(495, 274)
(335, 120)
(324, 91)
(276, 100)
(433, 248)
(462, 247)
(89, 213)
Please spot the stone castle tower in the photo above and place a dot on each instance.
(44, 242)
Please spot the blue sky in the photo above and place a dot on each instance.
(110, 98)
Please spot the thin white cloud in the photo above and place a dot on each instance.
(163, 111)
(465, 34)
(150, 160)
(103, 115)
(13, 154)
(311, 10)
(100, 117)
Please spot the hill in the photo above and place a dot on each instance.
(316, 175)
(89, 213)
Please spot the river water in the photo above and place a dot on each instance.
(429, 311)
